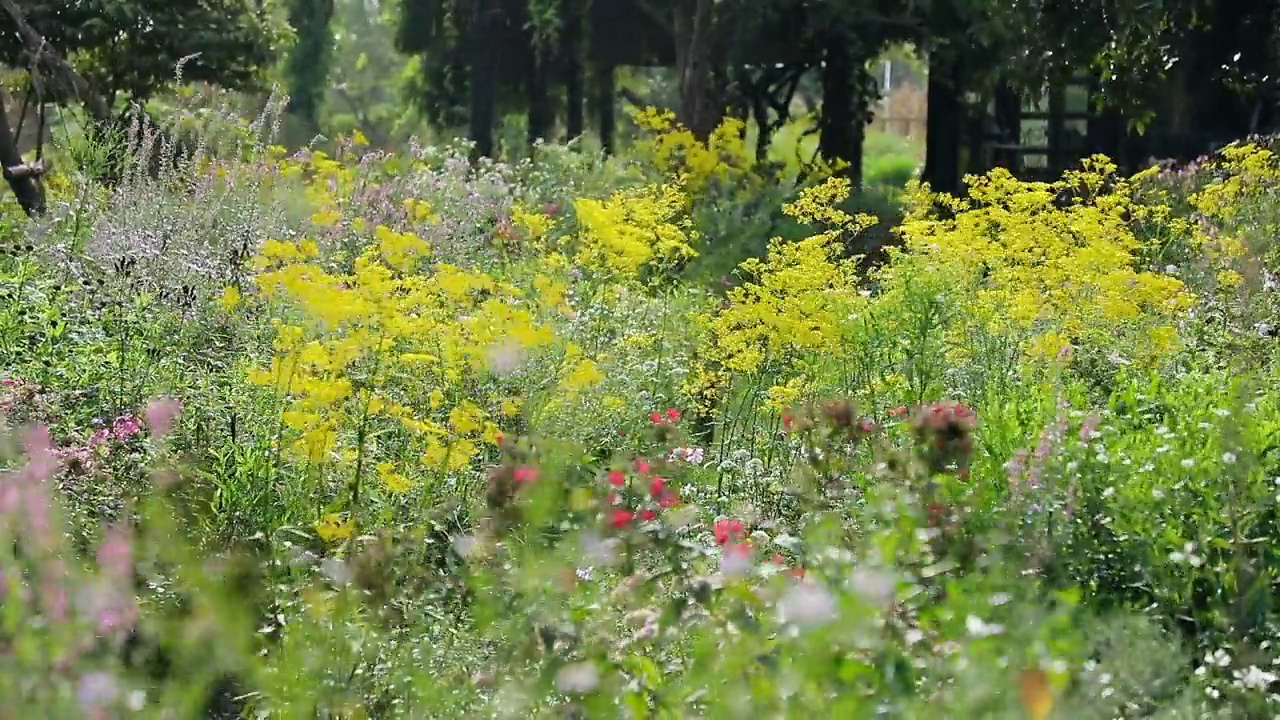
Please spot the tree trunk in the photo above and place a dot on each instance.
(700, 100)
(943, 126)
(575, 91)
(24, 184)
(606, 96)
(309, 60)
(843, 123)
(540, 113)
(484, 69)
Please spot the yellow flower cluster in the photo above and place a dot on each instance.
(676, 151)
(1247, 175)
(634, 229)
(397, 348)
(1056, 271)
(794, 307)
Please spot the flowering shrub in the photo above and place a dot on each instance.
(1056, 263)
(456, 440)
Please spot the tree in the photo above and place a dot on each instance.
(977, 46)
(92, 51)
(308, 62)
(133, 47)
(365, 57)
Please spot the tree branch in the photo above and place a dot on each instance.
(46, 56)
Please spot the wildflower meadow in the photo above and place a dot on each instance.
(359, 434)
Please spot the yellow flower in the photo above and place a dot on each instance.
(584, 375)
(394, 481)
(334, 528)
(230, 298)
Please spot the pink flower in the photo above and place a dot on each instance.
(617, 478)
(728, 530)
(115, 555)
(657, 486)
(525, 473)
(642, 466)
(125, 427)
(647, 515)
(673, 415)
(161, 415)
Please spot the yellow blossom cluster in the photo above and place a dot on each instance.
(396, 349)
(1055, 262)
(635, 229)
(677, 152)
(796, 302)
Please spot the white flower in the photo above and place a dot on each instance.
(807, 606)
(691, 455)
(1229, 458)
(735, 562)
(1255, 678)
(874, 586)
(578, 678)
(979, 628)
(505, 358)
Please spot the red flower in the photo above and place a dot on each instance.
(673, 415)
(778, 559)
(797, 573)
(657, 486)
(647, 515)
(669, 499)
(500, 438)
(726, 530)
(617, 478)
(787, 421)
(655, 418)
(524, 474)
(641, 466)
(622, 518)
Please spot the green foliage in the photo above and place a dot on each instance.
(308, 62)
(134, 47)
(889, 507)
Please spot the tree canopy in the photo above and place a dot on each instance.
(133, 47)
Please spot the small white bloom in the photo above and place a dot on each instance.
(1188, 462)
(876, 587)
(1255, 678)
(465, 545)
(578, 678)
(979, 628)
(807, 606)
(1229, 458)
